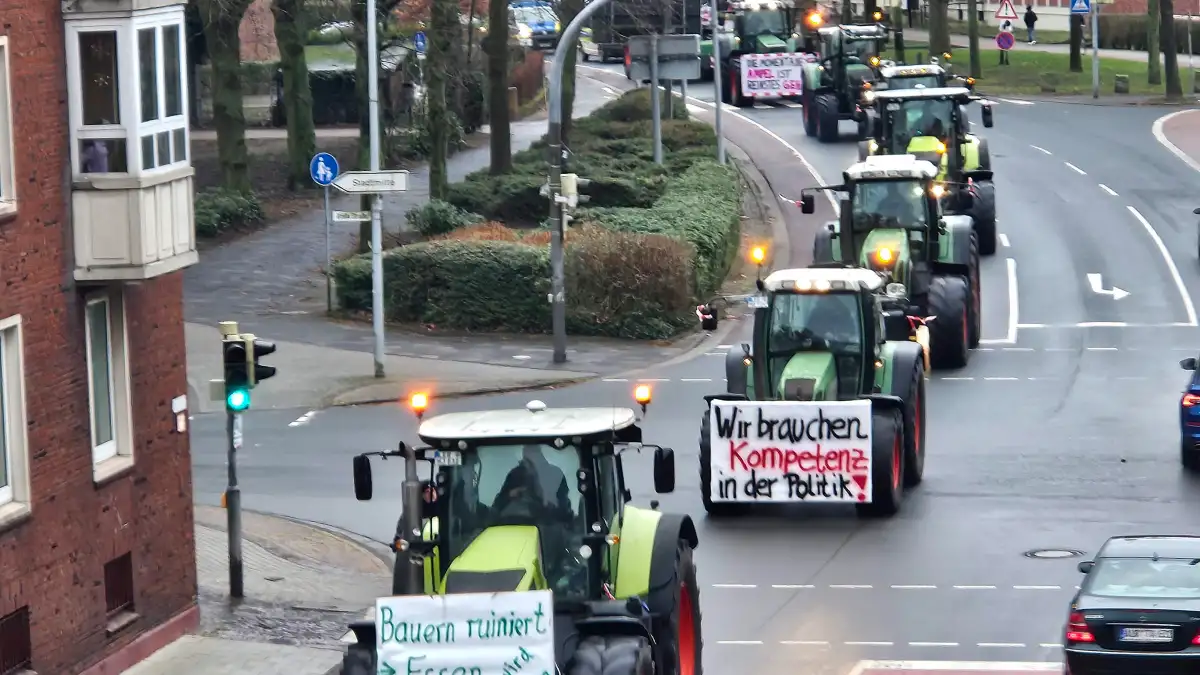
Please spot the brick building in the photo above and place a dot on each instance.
(97, 561)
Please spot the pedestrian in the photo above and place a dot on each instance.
(1030, 20)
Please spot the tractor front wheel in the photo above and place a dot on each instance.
(827, 118)
(949, 332)
(677, 635)
(887, 465)
(808, 101)
(914, 428)
(983, 211)
(612, 655)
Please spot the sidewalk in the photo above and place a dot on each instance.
(987, 43)
(303, 585)
(1180, 133)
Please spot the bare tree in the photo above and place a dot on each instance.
(939, 26)
(222, 19)
(496, 47)
(1170, 51)
(291, 31)
(1153, 26)
(443, 28)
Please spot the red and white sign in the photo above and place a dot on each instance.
(772, 75)
(1007, 11)
(954, 667)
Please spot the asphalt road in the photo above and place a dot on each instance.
(1058, 434)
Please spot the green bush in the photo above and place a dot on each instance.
(219, 210)
(635, 106)
(438, 217)
(1128, 31)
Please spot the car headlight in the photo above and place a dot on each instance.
(524, 31)
(557, 27)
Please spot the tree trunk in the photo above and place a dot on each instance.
(939, 26)
(567, 11)
(291, 32)
(1076, 43)
(443, 27)
(869, 7)
(1170, 51)
(1153, 26)
(222, 19)
(496, 47)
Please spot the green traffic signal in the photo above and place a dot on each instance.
(237, 400)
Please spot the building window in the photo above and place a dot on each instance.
(14, 457)
(8, 195)
(127, 93)
(108, 381)
(118, 585)
(16, 648)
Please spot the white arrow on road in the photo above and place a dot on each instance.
(1098, 287)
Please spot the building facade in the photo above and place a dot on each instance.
(97, 558)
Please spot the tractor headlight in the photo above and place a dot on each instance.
(885, 256)
(868, 96)
(941, 148)
(937, 191)
(874, 61)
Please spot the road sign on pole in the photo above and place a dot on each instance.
(323, 168)
(1004, 41)
(371, 182)
(351, 216)
(1007, 11)
(419, 41)
(1081, 7)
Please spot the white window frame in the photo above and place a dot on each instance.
(8, 186)
(116, 454)
(14, 497)
(129, 92)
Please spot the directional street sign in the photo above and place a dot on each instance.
(323, 168)
(1004, 41)
(1081, 7)
(419, 42)
(371, 182)
(678, 57)
(351, 216)
(1007, 11)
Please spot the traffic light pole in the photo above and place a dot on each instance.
(233, 504)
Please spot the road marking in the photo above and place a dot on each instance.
(1013, 301)
(1076, 169)
(614, 379)
(1004, 240)
(1102, 349)
(869, 644)
(1037, 588)
(1102, 324)
(806, 643)
(975, 588)
(735, 585)
(1051, 645)
(791, 104)
(1109, 190)
(792, 586)
(1015, 101)
(724, 346)
(1017, 349)
(933, 644)
(1040, 149)
(999, 644)
(1096, 281)
(958, 666)
(761, 106)
(304, 419)
(913, 587)
(1157, 130)
(850, 586)
(739, 642)
(965, 379)
(610, 90)
(1162, 249)
(1002, 379)
(696, 379)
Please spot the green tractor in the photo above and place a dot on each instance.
(848, 63)
(891, 221)
(535, 499)
(932, 124)
(752, 27)
(822, 335)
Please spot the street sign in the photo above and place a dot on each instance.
(1081, 7)
(351, 216)
(1007, 11)
(323, 168)
(1004, 41)
(371, 182)
(678, 57)
(419, 41)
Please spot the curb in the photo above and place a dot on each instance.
(331, 402)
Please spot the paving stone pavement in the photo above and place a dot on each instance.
(196, 655)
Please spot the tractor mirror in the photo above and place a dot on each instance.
(1086, 566)
(807, 204)
(1196, 211)
(942, 225)
(845, 215)
(362, 478)
(987, 116)
(664, 470)
(1188, 363)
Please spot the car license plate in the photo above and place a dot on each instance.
(1147, 635)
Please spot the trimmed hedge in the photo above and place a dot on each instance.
(1128, 31)
(220, 210)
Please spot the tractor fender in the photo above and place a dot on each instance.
(971, 152)
(672, 528)
(885, 402)
(905, 357)
(646, 560)
(736, 370)
(956, 253)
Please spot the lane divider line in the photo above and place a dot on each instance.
(1109, 190)
(959, 666)
(1041, 149)
(1004, 240)
(933, 644)
(1076, 169)
(1162, 249)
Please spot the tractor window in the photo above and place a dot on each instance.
(764, 23)
(916, 118)
(861, 49)
(893, 203)
(609, 487)
(814, 321)
(914, 82)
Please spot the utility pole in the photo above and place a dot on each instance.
(898, 30)
(717, 28)
(377, 200)
(558, 291)
(1095, 7)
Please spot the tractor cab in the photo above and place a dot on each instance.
(760, 26)
(852, 53)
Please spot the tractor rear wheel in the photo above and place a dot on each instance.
(359, 660)
(949, 332)
(827, 118)
(973, 278)
(914, 428)
(678, 635)
(983, 211)
(612, 655)
(985, 155)
(809, 112)
(714, 509)
(887, 465)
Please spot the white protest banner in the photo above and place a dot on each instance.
(466, 634)
(790, 451)
(772, 75)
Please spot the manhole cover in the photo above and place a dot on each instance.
(1051, 553)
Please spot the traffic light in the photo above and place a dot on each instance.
(237, 373)
(258, 349)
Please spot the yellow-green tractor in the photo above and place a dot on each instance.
(932, 124)
(536, 499)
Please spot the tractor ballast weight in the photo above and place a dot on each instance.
(817, 361)
(847, 60)
(963, 159)
(891, 220)
(623, 577)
